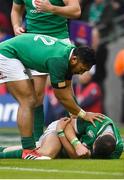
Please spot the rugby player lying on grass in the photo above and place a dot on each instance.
(75, 138)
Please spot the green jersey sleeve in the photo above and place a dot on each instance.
(18, 2)
(58, 73)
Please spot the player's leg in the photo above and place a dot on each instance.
(24, 93)
(39, 85)
(12, 154)
(14, 75)
(49, 142)
(50, 146)
(27, 102)
(12, 148)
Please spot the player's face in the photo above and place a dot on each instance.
(77, 67)
(80, 68)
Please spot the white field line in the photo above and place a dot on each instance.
(62, 171)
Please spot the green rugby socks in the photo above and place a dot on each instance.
(12, 154)
(38, 122)
(28, 142)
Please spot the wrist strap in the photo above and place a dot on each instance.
(75, 141)
(82, 113)
(60, 133)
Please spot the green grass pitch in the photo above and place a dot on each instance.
(62, 169)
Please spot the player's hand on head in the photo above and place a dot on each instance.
(90, 116)
(19, 30)
(63, 123)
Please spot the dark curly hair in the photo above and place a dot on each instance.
(85, 54)
(103, 147)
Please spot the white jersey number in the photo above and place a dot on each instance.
(45, 41)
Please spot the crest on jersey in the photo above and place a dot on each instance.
(33, 3)
(90, 133)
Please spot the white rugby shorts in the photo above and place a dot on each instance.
(11, 70)
(51, 129)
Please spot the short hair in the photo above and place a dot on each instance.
(85, 54)
(103, 147)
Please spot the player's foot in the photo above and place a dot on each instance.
(33, 155)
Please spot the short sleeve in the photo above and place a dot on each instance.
(58, 73)
(18, 2)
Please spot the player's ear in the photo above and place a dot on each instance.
(73, 60)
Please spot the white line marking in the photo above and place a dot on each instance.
(62, 171)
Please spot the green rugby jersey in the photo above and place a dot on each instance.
(42, 53)
(88, 134)
(44, 22)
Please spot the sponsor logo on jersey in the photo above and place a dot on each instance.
(33, 11)
(90, 133)
(2, 76)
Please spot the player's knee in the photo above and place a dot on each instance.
(53, 152)
(32, 102)
(39, 86)
(39, 99)
(29, 101)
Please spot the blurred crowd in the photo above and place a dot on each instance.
(103, 16)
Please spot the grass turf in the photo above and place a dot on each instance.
(62, 169)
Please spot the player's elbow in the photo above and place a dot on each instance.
(76, 14)
(59, 97)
